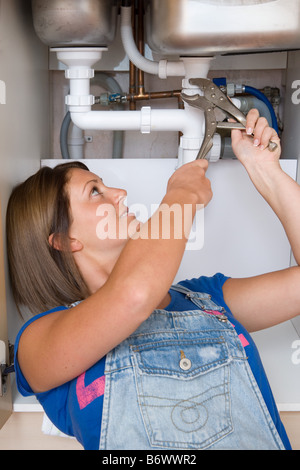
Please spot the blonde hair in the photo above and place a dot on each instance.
(42, 277)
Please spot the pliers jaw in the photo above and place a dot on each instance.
(213, 98)
(201, 102)
(218, 99)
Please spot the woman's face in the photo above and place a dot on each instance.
(100, 218)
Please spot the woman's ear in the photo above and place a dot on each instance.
(56, 243)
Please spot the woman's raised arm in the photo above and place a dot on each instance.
(262, 301)
(59, 347)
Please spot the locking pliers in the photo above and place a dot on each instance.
(213, 98)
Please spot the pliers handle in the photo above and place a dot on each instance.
(213, 98)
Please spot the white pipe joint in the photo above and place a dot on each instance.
(79, 99)
(146, 120)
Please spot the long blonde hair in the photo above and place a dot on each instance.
(41, 276)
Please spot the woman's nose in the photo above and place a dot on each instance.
(116, 195)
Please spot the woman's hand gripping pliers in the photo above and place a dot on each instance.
(213, 98)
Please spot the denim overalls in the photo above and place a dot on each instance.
(182, 381)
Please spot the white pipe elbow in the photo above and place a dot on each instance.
(163, 68)
(130, 46)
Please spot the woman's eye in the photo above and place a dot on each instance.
(95, 192)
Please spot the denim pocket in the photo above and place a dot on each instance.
(183, 391)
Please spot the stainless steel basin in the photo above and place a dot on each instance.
(60, 23)
(209, 27)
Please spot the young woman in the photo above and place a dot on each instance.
(121, 358)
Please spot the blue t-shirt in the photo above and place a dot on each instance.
(75, 408)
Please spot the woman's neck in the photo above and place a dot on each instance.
(95, 272)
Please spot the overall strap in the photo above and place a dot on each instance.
(200, 299)
(189, 293)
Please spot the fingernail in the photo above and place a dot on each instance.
(249, 130)
(256, 143)
(261, 147)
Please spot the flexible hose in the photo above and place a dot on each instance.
(109, 83)
(255, 92)
(249, 102)
(64, 136)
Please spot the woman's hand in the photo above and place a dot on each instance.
(191, 183)
(251, 148)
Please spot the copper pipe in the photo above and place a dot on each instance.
(141, 46)
(137, 91)
(155, 95)
(132, 85)
(132, 69)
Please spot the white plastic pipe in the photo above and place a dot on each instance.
(108, 120)
(163, 68)
(188, 121)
